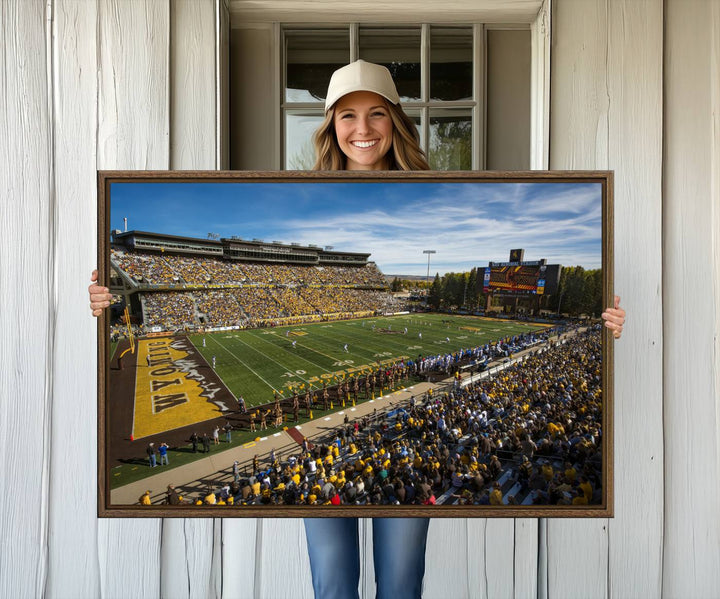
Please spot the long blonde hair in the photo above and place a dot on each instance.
(404, 155)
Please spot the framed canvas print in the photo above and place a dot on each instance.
(355, 344)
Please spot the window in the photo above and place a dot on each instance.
(435, 70)
(467, 87)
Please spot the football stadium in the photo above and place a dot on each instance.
(219, 344)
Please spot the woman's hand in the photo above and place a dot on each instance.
(615, 318)
(99, 296)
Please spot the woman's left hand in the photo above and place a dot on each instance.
(615, 318)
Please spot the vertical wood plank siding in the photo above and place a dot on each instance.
(193, 85)
(26, 288)
(73, 568)
(607, 113)
(635, 87)
(450, 549)
(692, 319)
(282, 566)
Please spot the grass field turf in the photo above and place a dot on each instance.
(256, 362)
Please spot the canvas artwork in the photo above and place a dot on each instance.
(355, 344)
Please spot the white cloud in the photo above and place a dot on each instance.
(467, 229)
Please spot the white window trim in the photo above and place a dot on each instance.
(538, 18)
(383, 11)
(540, 89)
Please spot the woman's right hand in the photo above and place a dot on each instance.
(99, 296)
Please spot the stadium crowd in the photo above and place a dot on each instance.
(529, 434)
(168, 310)
(208, 292)
(169, 269)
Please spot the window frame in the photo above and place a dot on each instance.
(476, 106)
(537, 16)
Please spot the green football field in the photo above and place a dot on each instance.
(253, 363)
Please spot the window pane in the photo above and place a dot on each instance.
(450, 145)
(508, 100)
(451, 56)
(399, 51)
(299, 149)
(311, 58)
(414, 115)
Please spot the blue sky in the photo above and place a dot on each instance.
(467, 223)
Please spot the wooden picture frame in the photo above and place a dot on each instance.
(201, 280)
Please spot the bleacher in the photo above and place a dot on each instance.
(178, 291)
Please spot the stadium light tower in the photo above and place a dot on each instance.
(428, 252)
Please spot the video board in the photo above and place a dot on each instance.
(534, 278)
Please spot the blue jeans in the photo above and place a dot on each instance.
(398, 552)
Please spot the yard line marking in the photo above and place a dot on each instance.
(332, 339)
(297, 355)
(345, 336)
(217, 374)
(270, 359)
(241, 362)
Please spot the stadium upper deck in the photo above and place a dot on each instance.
(181, 282)
(151, 260)
(236, 248)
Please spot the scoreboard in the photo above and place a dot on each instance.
(532, 278)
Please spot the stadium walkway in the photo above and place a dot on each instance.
(195, 477)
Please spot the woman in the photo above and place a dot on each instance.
(364, 126)
(365, 129)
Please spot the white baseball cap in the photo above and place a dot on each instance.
(361, 76)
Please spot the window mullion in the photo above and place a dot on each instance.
(280, 60)
(354, 42)
(479, 112)
(425, 86)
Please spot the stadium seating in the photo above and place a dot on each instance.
(406, 448)
(188, 292)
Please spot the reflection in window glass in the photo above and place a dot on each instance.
(299, 149)
(311, 58)
(415, 118)
(451, 56)
(399, 51)
(450, 146)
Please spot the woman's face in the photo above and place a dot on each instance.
(364, 130)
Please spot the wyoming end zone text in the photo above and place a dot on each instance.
(350, 344)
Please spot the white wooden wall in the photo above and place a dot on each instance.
(635, 87)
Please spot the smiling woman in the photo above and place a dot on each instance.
(364, 130)
(363, 107)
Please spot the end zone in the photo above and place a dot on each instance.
(174, 387)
